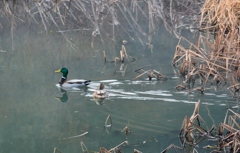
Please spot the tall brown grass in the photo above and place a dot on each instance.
(216, 55)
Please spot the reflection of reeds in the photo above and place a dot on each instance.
(108, 119)
(84, 148)
(108, 124)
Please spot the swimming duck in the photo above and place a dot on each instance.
(74, 83)
(101, 93)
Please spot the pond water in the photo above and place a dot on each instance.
(33, 120)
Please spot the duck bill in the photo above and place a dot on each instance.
(57, 71)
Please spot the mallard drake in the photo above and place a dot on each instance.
(101, 93)
(74, 83)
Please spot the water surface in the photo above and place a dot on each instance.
(33, 120)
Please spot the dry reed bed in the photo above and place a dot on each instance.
(216, 55)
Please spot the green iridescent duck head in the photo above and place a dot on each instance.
(64, 72)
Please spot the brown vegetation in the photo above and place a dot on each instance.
(215, 57)
(150, 74)
(194, 130)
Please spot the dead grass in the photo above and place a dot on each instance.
(194, 130)
(215, 57)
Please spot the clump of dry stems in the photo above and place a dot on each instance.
(215, 57)
(194, 130)
(124, 59)
(151, 74)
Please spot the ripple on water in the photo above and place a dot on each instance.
(115, 83)
(187, 101)
(222, 95)
(222, 104)
(155, 92)
(106, 81)
(210, 94)
(142, 82)
(206, 103)
(169, 100)
(122, 90)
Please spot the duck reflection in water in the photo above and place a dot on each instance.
(64, 97)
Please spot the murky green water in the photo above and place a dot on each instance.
(33, 120)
